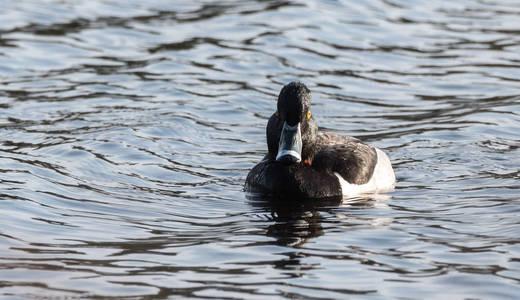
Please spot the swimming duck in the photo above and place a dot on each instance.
(302, 162)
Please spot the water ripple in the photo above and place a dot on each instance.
(128, 129)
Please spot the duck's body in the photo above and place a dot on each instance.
(304, 163)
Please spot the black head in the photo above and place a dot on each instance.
(294, 102)
(291, 131)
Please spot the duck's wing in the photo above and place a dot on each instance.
(352, 159)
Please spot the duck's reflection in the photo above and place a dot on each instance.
(295, 228)
(294, 220)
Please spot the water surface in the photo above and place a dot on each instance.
(127, 129)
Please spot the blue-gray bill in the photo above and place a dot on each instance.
(290, 146)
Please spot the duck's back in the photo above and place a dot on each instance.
(360, 168)
(349, 157)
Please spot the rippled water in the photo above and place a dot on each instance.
(128, 128)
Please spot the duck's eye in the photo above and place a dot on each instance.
(308, 114)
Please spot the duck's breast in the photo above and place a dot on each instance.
(292, 181)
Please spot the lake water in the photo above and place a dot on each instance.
(127, 129)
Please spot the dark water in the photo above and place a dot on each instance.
(127, 129)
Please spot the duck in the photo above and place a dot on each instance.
(303, 162)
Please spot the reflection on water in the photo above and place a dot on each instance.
(294, 220)
(127, 130)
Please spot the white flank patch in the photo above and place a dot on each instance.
(383, 179)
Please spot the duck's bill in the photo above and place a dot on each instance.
(290, 147)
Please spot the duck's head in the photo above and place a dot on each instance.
(291, 131)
